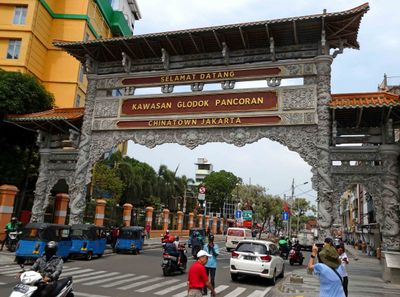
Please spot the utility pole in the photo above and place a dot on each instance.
(290, 217)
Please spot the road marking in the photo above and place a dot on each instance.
(2, 283)
(218, 289)
(266, 291)
(108, 279)
(127, 287)
(71, 269)
(7, 267)
(156, 286)
(236, 292)
(10, 272)
(124, 281)
(257, 293)
(89, 274)
(170, 289)
(88, 295)
(76, 272)
(95, 277)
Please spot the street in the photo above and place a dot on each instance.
(127, 275)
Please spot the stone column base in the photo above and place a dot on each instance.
(391, 267)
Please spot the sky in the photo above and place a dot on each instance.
(265, 162)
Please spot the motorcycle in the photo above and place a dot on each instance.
(295, 256)
(12, 242)
(30, 282)
(170, 263)
(284, 253)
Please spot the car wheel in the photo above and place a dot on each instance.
(100, 255)
(291, 263)
(282, 275)
(272, 281)
(165, 272)
(301, 261)
(234, 277)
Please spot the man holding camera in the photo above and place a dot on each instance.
(328, 269)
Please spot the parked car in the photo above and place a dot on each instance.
(257, 258)
(234, 235)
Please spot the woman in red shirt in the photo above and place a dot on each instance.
(197, 277)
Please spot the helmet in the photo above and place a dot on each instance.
(171, 238)
(50, 248)
(211, 237)
(14, 219)
(167, 232)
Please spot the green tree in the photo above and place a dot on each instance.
(220, 186)
(300, 207)
(106, 182)
(19, 159)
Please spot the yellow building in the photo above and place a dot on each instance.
(28, 28)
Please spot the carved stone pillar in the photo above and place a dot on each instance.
(99, 215)
(165, 219)
(214, 225)
(39, 206)
(322, 179)
(180, 220)
(127, 214)
(61, 207)
(7, 199)
(190, 224)
(149, 216)
(81, 176)
(200, 220)
(390, 197)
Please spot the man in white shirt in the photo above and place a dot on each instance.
(345, 260)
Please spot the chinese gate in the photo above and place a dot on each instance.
(298, 117)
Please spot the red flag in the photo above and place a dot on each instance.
(286, 208)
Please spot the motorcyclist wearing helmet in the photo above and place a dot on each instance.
(170, 248)
(50, 267)
(12, 226)
(165, 238)
(283, 244)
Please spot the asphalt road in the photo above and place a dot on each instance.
(130, 275)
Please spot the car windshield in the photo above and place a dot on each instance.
(252, 247)
(233, 232)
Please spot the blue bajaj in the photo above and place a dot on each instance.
(87, 241)
(130, 239)
(35, 236)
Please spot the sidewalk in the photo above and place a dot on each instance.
(365, 280)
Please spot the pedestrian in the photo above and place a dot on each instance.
(328, 269)
(211, 266)
(197, 276)
(345, 261)
(363, 247)
(147, 229)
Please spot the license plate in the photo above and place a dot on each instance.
(21, 288)
(249, 258)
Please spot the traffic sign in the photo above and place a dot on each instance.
(247, 215)
(285, 216)
(202, 190)
(238, 214)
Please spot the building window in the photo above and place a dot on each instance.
(78, 100)
(20, 15)
(14, 46)
(81, 73)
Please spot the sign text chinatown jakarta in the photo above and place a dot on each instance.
(202, 109)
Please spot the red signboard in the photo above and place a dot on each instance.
(248, 224)
(200, 122)
(202, 103)
(184, 78)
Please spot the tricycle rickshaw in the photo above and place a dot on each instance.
(130, 239)
(87, 241)
(35, 236)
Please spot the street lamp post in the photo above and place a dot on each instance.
(291, 203)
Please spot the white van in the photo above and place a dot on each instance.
(234, 235)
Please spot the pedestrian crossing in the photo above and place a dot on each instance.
(129, 282)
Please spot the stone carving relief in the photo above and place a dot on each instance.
(299, 98)
(108, 83)
(106, 108)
